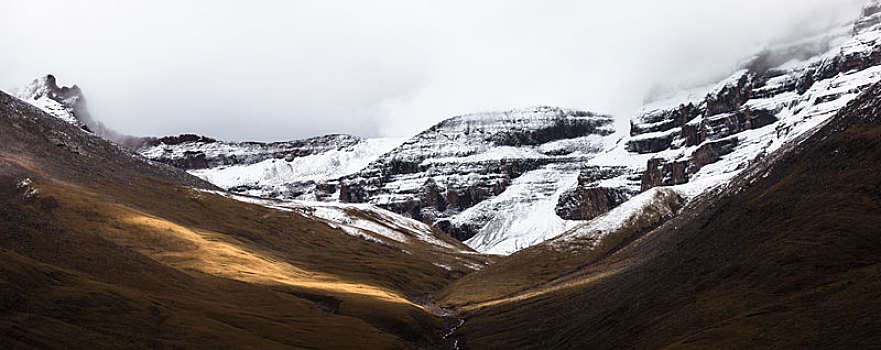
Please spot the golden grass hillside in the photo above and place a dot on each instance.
(103, 249)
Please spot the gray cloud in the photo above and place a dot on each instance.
(275, 70)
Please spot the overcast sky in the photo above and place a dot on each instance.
(279, 70)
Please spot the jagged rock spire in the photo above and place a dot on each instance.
(66, 103)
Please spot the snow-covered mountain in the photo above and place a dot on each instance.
(69, 104)
(65, 103)
(477, 174)
(487, 175)
(503, 181)
(301, 169)
(688, 143)
(704, 137)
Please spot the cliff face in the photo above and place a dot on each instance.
(300, 169)
(192, 152)
(65, 103)
(476, 174)
(704, 137)
(587, 200)
(763, 104)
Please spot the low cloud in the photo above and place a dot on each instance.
(276, 70)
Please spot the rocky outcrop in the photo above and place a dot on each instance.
(589, 199)
(585, 203)
(703, 131)
(190, 151)
(306, 169)
(720, 115)
(180, 139)
(68, 153)
(730, 97)
(63, 102)
(660, 172)
(709, 153)
(445, 189)
(664, 120)
(870, 19)
(69, 104)
(466, 160)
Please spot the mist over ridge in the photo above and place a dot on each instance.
(279, 71)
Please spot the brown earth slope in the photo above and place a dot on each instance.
(102, 249)
(787, 258)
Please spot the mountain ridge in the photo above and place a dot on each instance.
(782, 258)
(471, 187)
(743, 215)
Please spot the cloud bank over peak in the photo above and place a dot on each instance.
(277, 70)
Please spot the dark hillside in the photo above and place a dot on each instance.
(100, 248)
(786, 259)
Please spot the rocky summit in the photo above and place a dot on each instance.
(65, 103)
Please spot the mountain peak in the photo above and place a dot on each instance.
(47, 85)
(63, 102)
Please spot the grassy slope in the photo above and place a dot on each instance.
(115, 252)
(789, 262)
(549, 265)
